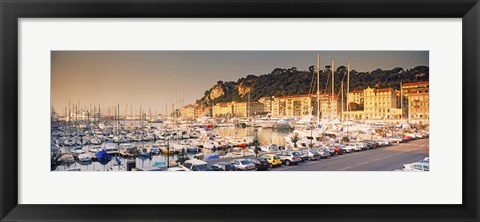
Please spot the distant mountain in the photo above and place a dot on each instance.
(284, 82)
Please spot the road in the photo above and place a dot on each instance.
(379, 159)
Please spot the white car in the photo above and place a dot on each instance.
(417, 166)
(384, 142)
(349, 148)
(196, 165)
(243, 164)
(356, 146)
(363, 146)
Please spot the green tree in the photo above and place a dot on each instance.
(256, 144)
(295, 138)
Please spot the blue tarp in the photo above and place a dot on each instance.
(158, 164)
(213, 157)
(103, 157)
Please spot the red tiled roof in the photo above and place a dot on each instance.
(356, 91)
(295, 96)
(383, 90)
(415, 83)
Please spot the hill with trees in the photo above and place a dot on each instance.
(291, 81)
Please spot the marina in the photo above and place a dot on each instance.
(286, 115)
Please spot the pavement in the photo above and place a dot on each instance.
(378, 159)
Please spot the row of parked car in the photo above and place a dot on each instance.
(408, 137)
(292, 157)
(284, 157)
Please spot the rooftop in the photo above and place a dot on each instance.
(415, 83)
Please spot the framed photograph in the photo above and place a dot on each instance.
(315, 108)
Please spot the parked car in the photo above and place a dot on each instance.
(223, 166)
(383, 142)
(196, 165)
(260, 163)
(330, 150)
(371, 144)
(362, 145)
(303, 155)
(355, 147)
(311, 154)
(349, 148)
(273, 160)
(417, 166)
(336, 148)
(243, 164)
(396, 140)
(323, 151)
(290, 157)
(406, 138)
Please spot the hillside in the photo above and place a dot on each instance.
(283, 82)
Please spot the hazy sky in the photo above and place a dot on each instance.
(141, 77)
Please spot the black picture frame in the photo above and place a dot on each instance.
(11, 11)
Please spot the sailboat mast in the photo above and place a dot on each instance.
(348, 81)
(318, 87)
(248, 103)
(118, 119)
(341, 95)
(401, 102)
(333, 87)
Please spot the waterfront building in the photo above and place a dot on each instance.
(246, 109)
(267, 104)
(381, 104)
(355, 96)
(222, 109)
(295, 105)
(374, 104)
(330, 106)
(303, 105)
(188, 112)
(201, 110)
(416, 95)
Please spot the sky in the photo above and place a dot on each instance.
(152, 79)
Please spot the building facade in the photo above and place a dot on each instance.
(378, 104)
(355, 96)
(288, 106)
(267, 104)
(188, 112)
(201, 110)
(246, 109)
(417, 106)
(222, 109)
(303, 105)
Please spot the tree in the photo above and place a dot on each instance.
(295, 138)
(345, 139)
(256, 143)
